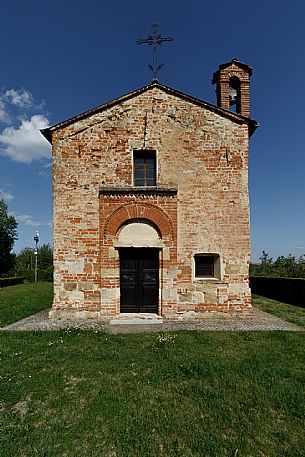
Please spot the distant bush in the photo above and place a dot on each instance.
(45, 274)
(4, 282)
(286, 290)
(282, 267)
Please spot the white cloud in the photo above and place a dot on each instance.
(25, 143)
(6, 196)
(46, 171)
(21, 98)
(44, 174)
(48, 165)
(4, 117)
(27, 219)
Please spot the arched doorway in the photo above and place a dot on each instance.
(139, 267)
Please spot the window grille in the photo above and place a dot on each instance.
(207, 266)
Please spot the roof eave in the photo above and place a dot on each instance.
(47, 134)
(252, 127)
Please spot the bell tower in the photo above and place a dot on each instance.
(232, 81)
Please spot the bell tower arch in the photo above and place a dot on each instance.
(232, 81)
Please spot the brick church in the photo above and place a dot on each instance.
(150, 202)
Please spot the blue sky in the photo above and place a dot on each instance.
(65, 57)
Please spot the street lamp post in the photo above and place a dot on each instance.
(36, 239)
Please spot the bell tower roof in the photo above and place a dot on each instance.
(233, 63)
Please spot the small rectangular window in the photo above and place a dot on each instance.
(207, 266)
(144, 168)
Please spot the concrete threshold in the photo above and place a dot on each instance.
(136, 319)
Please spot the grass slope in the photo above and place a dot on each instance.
(289, 313)
(17, 302)
(190, 394)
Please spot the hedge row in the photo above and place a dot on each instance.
(286, 290)
(42, 275)
(4, 282)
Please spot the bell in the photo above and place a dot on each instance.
(233, 95)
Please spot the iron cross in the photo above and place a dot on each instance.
(154, 40)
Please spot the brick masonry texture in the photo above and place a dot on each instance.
(200, 153)
(222, 79)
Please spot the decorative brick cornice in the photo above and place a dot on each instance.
(163, 191)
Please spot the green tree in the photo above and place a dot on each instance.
(284, 267)
(8, 235)
(25, 263)
(25, 260)
(45, 256)
(266, 264)
(266, 259)
(301, 262)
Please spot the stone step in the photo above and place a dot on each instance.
(136, 319)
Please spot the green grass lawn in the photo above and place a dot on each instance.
(23, 300)
(190, 393)
(193, 393)
(289, 313)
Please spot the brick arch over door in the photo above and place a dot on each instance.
(139, 211)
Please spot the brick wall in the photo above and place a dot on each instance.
(200, 153)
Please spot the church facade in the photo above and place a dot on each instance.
(150, 203)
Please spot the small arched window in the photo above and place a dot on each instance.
(234, 91)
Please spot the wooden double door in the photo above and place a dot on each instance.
(139, 280)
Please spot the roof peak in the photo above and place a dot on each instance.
(155, 83)
(238, 63)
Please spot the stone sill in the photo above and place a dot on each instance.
(209, 279)
(139, 190)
